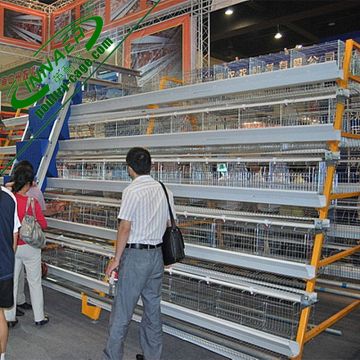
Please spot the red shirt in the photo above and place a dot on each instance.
(21, 207)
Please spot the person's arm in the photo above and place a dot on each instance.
(41, 201)
(121, 240)
(36, 193)
(17, 225)
(39, 215)
(15, 240)
(128, 207)
(54, 208)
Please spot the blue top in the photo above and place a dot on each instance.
(9, 224)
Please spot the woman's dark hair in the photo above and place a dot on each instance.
(22, 176)
(21, 165)
(139, 159)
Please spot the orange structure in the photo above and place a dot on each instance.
(303, 334)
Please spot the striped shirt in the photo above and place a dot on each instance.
(144, 204)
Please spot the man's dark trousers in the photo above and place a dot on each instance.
(140, 274)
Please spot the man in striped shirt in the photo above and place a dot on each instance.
(144, 217)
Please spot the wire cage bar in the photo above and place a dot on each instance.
(351, 121)
(301, 175)
(240, 162)
(200, 9)
(272, 315)
(347, 178)
(263, 239)
(77, 261)
(348, 268)
(344, 217)
(287, 216)
(287, 113)
(269, 241)
(90, 214)
(264, 313)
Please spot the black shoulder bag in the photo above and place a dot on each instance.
(173, 243)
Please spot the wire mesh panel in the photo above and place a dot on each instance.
(261, 312)
(285, 175)
(278, 281)
(270, 241)
(351, 120)
(348, 268)
(276, 166)
(256, 311)
(80, 262)
(345, 222)
(90, 214)
(224, 117)
(347, 178)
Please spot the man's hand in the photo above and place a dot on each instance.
(113, 265)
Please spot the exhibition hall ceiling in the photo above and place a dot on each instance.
(250, 30)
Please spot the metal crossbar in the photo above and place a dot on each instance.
(273, 315)
(294, 174)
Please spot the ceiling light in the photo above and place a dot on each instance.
(331, 24)
(278, 35)
(229, 11)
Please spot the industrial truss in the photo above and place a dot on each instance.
(37, 5)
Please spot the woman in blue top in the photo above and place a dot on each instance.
(9, 225)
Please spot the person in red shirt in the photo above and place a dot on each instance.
(25, 254)
(48, 210)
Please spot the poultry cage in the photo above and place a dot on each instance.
(261, 173)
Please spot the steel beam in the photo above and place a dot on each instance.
(331, 320)
(256, 337)
(221, 214)
(16, 121)
(158, 113)
(252, 195)
(89, 230)
(8, 150)
(257, 286)
(79, 278)
(81, 245)
(289, 134)
(250, 261)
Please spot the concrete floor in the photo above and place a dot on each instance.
(72, 336)
(331, 347)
